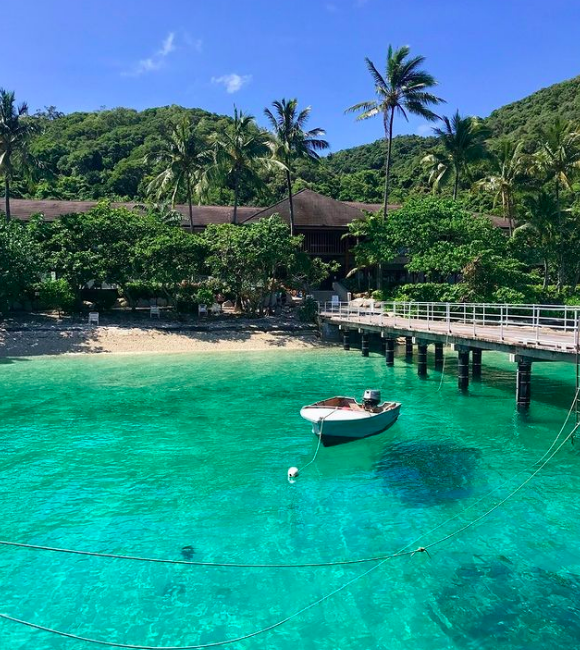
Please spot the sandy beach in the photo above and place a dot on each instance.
(112, 339)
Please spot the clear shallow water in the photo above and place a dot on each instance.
(137, 455)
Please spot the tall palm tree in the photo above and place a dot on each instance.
(403, 89)
(186, 159)
(540, 228)
(15, 134)
(558, 159)
(509, 162)
(239, 153)
(291, 142)
(462, 140)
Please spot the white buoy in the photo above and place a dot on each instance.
(293, 472)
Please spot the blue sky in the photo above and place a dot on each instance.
(84, 54)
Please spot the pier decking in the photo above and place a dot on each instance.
(528, 332)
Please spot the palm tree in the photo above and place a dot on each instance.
(291, 142)
(15, 134)
(559, 160)
(540, 230)
(186, 159)
(462, 140)
(239, 153)
(403, 89)
(509, 161)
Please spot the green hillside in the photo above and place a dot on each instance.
(102, 153)
(526, 118)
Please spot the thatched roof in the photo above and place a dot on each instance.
(312, 210)
(203, 215)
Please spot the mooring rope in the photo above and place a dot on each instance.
(314, 603)
(574, 401)
(299, 565)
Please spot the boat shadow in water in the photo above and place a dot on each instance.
(496, 605)
(425, 474)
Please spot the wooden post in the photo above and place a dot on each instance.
(390, 351)
(476, 363)
(365, 344)
(438, 356)
(463, 368)
(523, 383)
(408, 348)
(422, 358)
(346, 340)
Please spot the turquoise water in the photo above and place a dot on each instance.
(144, 455)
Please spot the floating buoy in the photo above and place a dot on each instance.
(293, 472)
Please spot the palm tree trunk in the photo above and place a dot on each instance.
(236, 196)
(389, 137)
(190, 204)
(7, 196)
(546, 274)
(456, 184)
(290, 201)
(560, 251)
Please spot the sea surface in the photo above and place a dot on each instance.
(146, 455)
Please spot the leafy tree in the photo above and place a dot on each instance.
(508, 172)
(291, 142)
(438, 235)
(403, 89)
(20, 262)
(256, 259)
(95, 246)
(169, 258)
(239, 154)
(186, 160)
(462, 142)
(15, 134)
(559, 160)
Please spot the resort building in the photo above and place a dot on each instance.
(322, 221)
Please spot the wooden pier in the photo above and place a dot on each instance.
(526, 332)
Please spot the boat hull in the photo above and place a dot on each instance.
(335, 431)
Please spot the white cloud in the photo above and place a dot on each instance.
(232, 82)
(195, 43)
(156, 61)
(168, 45)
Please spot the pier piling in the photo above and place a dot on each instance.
(523, 383)
(476, 363)
(390, 351)
(409, 348)
(422, 358)
(365, 344)
(438, 356)
(463, 368)
(346, 340)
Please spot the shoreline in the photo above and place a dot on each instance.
(134, 339)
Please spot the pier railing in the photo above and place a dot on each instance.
(540, 324)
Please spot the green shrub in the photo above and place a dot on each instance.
(431, 292)
(55, 294)
(308, 310)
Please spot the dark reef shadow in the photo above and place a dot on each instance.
(424, 474)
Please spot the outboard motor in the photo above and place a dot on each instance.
(371, 398)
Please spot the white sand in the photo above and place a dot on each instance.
(136, 340)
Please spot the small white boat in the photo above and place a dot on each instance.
(342, 419)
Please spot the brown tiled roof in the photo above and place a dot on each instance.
(203, 215)
(312, 210)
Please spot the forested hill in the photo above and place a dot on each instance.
(526, 118)
(104, 153)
